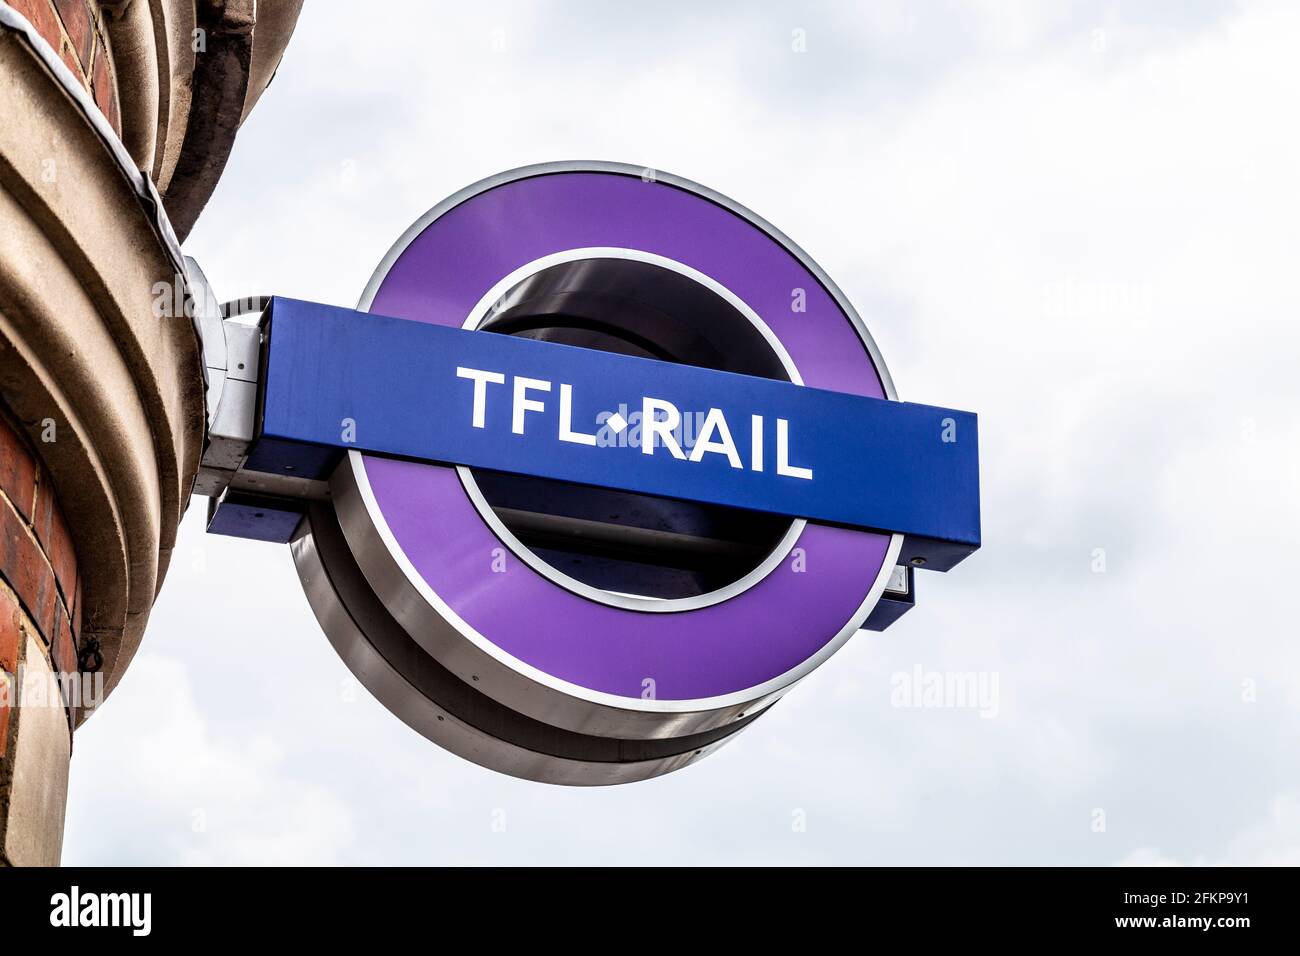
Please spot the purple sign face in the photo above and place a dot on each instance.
(526, 634)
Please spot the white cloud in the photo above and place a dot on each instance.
(188, 793)
(1273, 841)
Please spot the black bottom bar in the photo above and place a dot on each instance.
(581, 908)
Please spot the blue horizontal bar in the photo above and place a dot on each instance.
(338, 379)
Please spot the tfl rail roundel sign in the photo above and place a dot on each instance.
(600, 467)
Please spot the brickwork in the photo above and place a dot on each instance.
(75, 28)
(38, 567)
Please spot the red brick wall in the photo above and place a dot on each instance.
(38, 569)
(75, 29)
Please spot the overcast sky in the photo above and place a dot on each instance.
(1078, 220)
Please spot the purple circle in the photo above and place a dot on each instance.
(722, 649)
